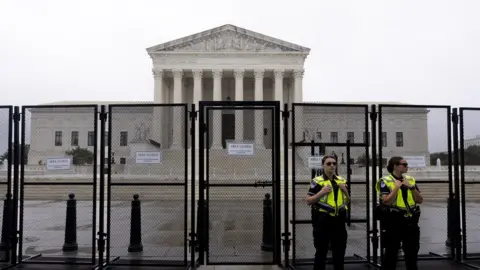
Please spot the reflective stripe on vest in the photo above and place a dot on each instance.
(327, 202)
(399, 203)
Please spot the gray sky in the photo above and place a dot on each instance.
(423, 52)
(411, 51)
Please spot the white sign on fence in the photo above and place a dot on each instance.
(416, 161)
(315, 162)
(148, 157)
(240, 149)
(55, 164)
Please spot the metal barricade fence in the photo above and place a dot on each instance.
(470, 184)
(6, 172)
(422, 136)
(239, 166)
(342, 131)
(74, 182)
(58, 185)
(147, 185)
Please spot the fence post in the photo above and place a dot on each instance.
(135, 226)
(267, 239)
(71, 225)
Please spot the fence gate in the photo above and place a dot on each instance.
(470, 183)
(422, 135)
(342, 131)
(239, 166)
(147, 185)
(58, 184)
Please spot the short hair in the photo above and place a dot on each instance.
(328, 156)
(392, 162)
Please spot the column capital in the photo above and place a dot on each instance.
(177, 73)
(197, 73)
(298, 73)
(278, 73)
(258, 73)
(217, 73)
(239, 73)
(158, 73)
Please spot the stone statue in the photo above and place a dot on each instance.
(439, 163)
(141, 132)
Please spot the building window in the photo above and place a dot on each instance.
(58, 138)
(74, 140)
(123, 160)
(334, 137)
(123, 138)
(319, 136)
(351, 137)
(384, 139)
(91, 138)
(399, 139)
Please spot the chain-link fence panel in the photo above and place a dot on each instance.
(422, 136)
(340, 131)
(148, 157)
(6, 169)
(58, 180)
(240, 156)
(470, 181)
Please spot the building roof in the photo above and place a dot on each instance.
(230, 38)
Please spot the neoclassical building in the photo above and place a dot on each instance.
(228, 63)
(223, 63)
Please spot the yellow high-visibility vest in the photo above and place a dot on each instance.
(399, 202)
(327, 202)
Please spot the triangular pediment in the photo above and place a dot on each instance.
(228, 38)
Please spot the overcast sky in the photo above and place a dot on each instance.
(423, 52)
(411, 51)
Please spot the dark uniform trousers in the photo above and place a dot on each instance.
(398, 229)
(329, 230)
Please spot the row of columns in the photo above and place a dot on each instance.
(159, 97)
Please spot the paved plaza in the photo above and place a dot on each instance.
(235, 233)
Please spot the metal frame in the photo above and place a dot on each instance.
(118, 261)
(9, 210)
(450, 181)
(39, 258)
(358, 259)
(466, 256)
(204, 109)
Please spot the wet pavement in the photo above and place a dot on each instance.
(235, 233)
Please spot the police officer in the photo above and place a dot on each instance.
(399, 199)
(328, 197)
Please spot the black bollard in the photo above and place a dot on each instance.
(5, 242)
(135, 226)
(267, 238)
(71, 225)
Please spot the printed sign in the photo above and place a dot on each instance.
(315, 162)
(148, 157)
(240, 149)
(416, 161)
(55, 164)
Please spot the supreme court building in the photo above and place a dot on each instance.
(220, 64)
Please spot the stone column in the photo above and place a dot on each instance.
(278, 74)
(216, 124)
(197, 96)
(158, 97)
(239, 74)
(177, 118)
(258, 73)
(298, 98)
